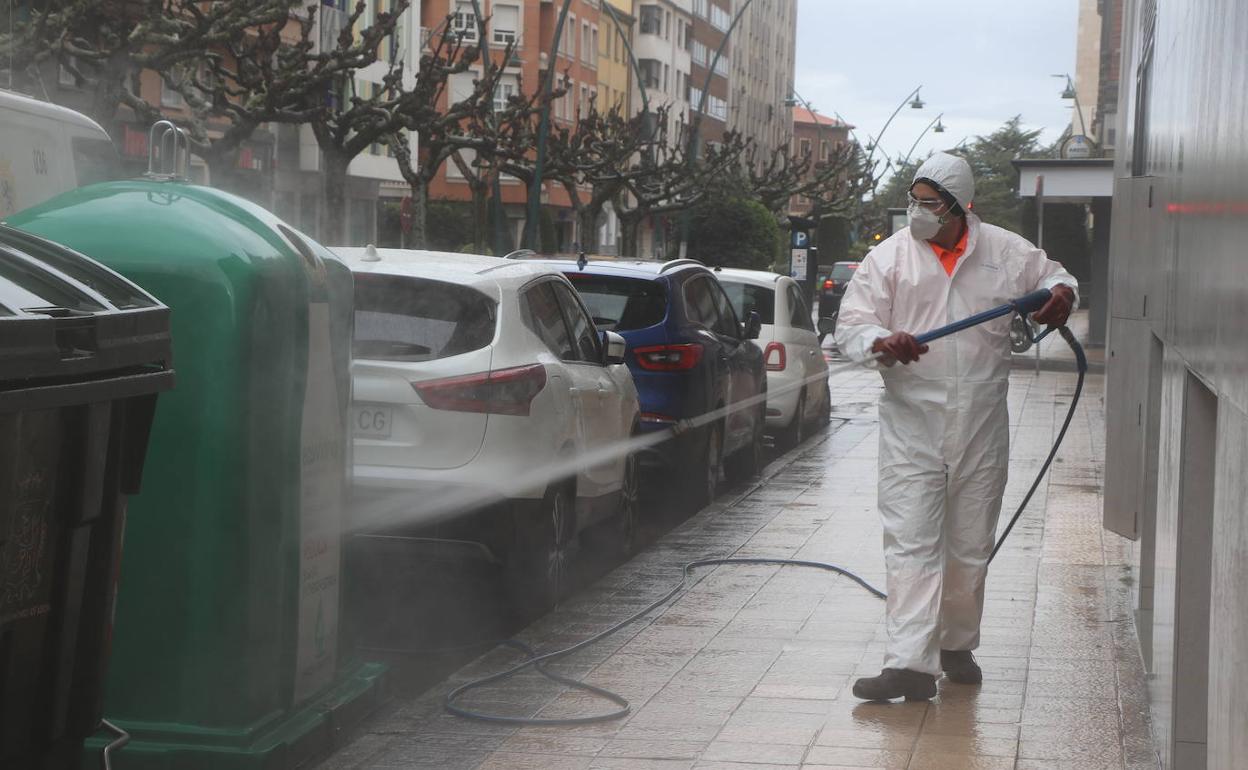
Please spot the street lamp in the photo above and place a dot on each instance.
(915, 102)
(1069, 93)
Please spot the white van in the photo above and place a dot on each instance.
(46, 149)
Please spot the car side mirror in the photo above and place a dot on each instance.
(826, 326)
(752, 326)
(613, 348)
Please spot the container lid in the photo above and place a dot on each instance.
(64, 315)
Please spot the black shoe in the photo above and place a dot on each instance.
(960, 667)
(896, 683)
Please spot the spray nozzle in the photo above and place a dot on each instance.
(1030, 303)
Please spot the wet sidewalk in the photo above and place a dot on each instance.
(751, 668)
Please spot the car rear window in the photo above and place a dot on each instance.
(619, 303)
(843, 272)
(746, 297)
(414, 319)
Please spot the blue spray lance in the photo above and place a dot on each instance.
(1028, 303)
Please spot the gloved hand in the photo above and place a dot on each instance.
(1057, 310)
(901, 346)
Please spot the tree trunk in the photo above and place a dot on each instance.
(334, 199)
(418, 238)
(223, 170)
(480, 216)
(630, 224)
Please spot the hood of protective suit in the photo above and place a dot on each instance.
(952, 173)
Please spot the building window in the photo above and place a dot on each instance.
(804, 148)
(651, 72)
(651, 20)
(699, 54)
(717, 108)
(593, 38)
(506, 23)
(720, 19)
(567, 41)
(464, 21)
(504, 90)
(701, 8)
(169, 95)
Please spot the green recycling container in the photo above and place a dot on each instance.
(225, 649)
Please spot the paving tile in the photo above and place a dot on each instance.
(938, 761)
(838, 756)
(751, 752)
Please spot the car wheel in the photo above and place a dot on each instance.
(542, 553)
(747, 461)
(628, 518)
(795, 432)
(700, 473)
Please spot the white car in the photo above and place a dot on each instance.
(482, 390)
(797, 374)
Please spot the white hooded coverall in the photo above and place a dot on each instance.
(944, 425)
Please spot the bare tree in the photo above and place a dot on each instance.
(666, 182)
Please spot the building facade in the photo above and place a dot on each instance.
(1176, 399)
(375, 186)
(1087, 68)
(708, 84)
(814, 136)
(661, 42)
(764, 55)
(530, 26)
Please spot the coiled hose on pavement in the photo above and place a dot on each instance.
(538, 661)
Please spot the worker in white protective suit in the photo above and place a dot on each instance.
(944, 428)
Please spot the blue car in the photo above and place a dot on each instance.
(689, 354)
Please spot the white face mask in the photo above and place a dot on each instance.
(924, 224)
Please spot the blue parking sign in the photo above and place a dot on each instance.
(800, 239)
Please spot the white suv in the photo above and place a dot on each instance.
(797, 374)
(480, 384)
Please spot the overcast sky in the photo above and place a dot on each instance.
(979, 62)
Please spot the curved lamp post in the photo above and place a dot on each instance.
(915, 102)
(1069, 93)
(535, 192)
(936, 127)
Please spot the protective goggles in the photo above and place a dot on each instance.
(931, 204)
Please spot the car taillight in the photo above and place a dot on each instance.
(669, 358)
(829, 284)
(775, 356)
(506, 391)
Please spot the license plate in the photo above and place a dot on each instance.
(372, 421)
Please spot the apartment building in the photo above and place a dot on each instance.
(764, 52)
(375, 186)
(662, 46)
(530, 27)
(615, 69)
(708, 87)
(814, 136)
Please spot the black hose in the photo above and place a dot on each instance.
(1081, 363)
(538, 662)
